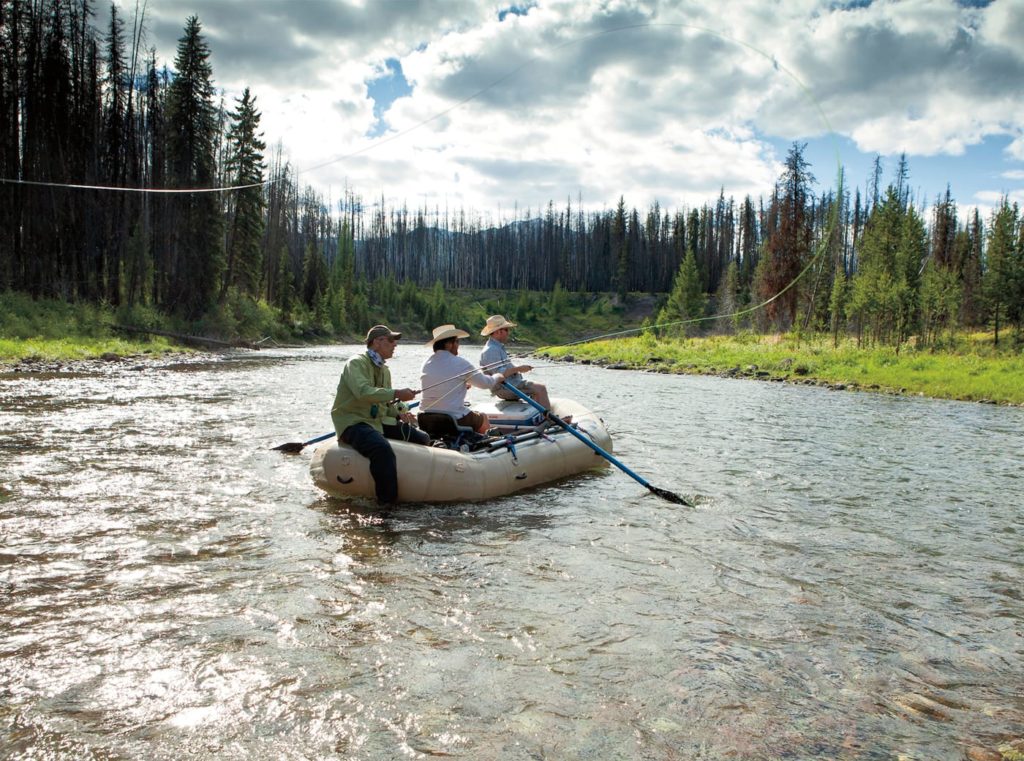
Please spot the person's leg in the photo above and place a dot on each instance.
(536, 391)
(476, 421)
(405, 432)
(374, 447)
(539, 393)
(503, 393)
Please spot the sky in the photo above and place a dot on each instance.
(495, 106)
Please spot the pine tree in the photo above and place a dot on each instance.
(967, 264)
(244, 265)
(999, 280)
(837, 304)
(121, 208)
(1015, 284)
(686, 301)
(196, 242)
(728, 298)
(873, 292)
(314, 276)
(941, 296)
(788, 246)
(620, 250)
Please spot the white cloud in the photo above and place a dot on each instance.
(598, 98)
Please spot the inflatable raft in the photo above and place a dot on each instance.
(527, 454)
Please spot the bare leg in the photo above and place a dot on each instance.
(539, 392)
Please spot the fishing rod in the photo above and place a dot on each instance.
(294, 447)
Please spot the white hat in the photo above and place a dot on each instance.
(441, 332)
(496, 322)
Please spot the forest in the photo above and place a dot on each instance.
(134, 185)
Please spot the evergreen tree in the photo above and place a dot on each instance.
(727, 298)
(944, 229)
(837, 304)
(620, 250)
(873, 293)
(1015, 284)
(885, 289)
(788, 246)
(941, 289)
(196, 247)
(314, 276)
(968, 265)
(245, 167)
(999, 281)
(284, 293)
(940, 301)
(686, 301)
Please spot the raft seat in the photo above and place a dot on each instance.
(442, 426)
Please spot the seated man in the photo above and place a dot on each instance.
(494, 358)
(364, 416)
(445, 377)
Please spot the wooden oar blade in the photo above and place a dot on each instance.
(292, 447)
(669, 496)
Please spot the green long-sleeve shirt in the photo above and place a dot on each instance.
(363, 393)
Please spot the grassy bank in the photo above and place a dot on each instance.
(48, 330)
(973, 371)
(14, 350)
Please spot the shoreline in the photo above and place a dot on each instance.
(157, 359)
(103, 364)
(756, 373)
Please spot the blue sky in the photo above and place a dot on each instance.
(494, 107)
(384, 90)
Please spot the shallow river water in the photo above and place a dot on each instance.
(849, 586)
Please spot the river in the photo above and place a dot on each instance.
(850, 584)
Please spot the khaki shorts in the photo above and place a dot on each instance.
(503, 393)
(474, 420)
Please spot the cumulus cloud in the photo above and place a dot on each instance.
(592, 99)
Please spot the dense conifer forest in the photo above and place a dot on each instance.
(205, 214)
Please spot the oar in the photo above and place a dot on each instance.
(663, 493)
(294, 447)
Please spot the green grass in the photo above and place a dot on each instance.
(72, 348)
(975, 371)
(56, 331)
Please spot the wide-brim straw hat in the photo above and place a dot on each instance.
(442, 332)
(496, 322)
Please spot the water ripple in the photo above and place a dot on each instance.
(848, 586)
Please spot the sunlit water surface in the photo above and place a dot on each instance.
(850, 585)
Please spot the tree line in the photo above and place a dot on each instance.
(87, 107)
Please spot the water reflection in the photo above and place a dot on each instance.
(848, 587)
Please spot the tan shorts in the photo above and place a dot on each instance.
(503, 393)
(475, 420)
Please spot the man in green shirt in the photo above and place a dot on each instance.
(368, 411)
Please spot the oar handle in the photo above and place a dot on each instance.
(318, 438)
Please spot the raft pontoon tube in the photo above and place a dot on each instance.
(529, 455)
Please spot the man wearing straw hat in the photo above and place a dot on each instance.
(444, 379)
(367, 410)
(494, 358)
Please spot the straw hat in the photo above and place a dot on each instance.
(496, 322)
(441, 332)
